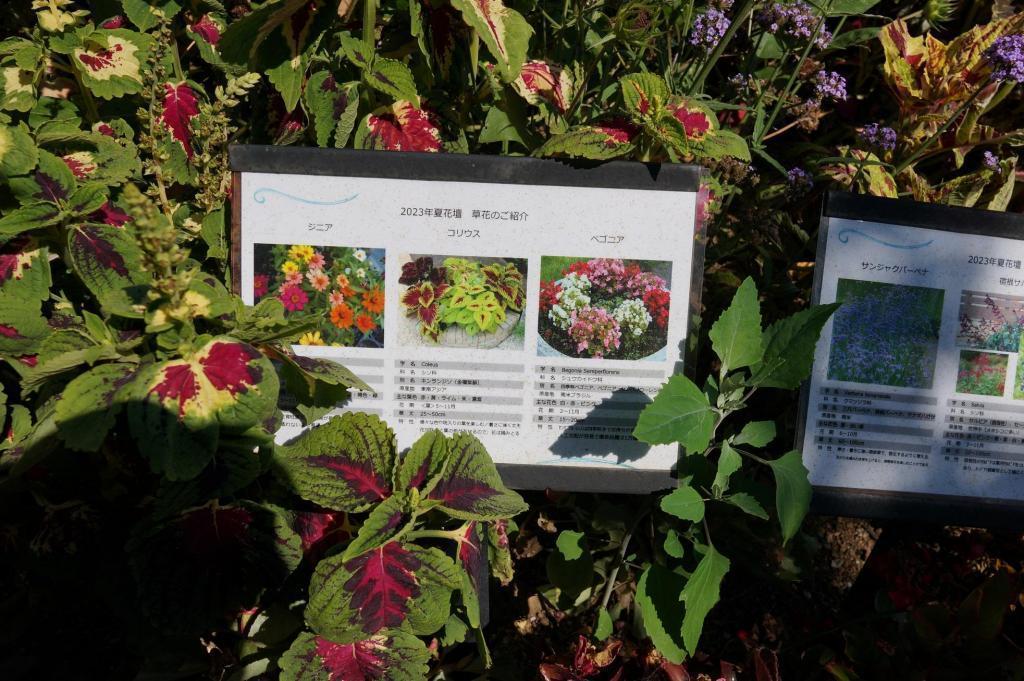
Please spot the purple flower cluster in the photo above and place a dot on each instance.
(990, 160)
(878, 136)
(799, 179)
(1006, 56)
(795, 20)
(709, 29)
(829, 85)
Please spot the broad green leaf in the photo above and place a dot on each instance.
(700, 595)
(837, 8)
(720, 144)
(503, 30)
(110, 62)
(684, 503)
(657, 595)
(736, 336)
(437, 577)
(108, 260)
(424, 464)
(394, 655)
(747, 504)
(357, 51)
(673, 545)
(792, 492)
(209, 563)
(644, 94)
(148, 13)
(89, 406)
(789, 348)
(755, 434)
(592, 142)
(570, 544)
(855, 37)
(27, 218)
(346, 464)
(729, 462)
(471, 488)
(317, 382)
(679, 413)
(18, 154)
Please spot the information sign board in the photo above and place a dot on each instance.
(915, 407)
(537, 304)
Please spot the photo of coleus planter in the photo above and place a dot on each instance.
(343, 287)
(432, 517)
(604, 308)
(479, 296)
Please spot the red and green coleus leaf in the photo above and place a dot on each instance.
(208, 563)
(387, 521)
(179, 407)
(423, 465)
(394, 655)
(333, 108)
(374, 592)
(644, 94)
(110, 62)
(89, 405)
(322, 530)
(206, 32)
(24, 283)
(17, 88)
(503, 30)
(180, 107)
(52, 182)
(400, 127)
(438, 29)
(614, 139)
(316, 382)
(542, 82)
(498, 554)
(346, 464)
(107, 259)
(471, 487)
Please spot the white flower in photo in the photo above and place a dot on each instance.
(359, 255)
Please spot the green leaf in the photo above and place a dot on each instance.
(437, 577)
(27, 218)
(90, 404)
(736, 336)
(789, 348)
(673, 545)
(503, 30)
(148, 13)
(424, 464)
(110, 62)
(394, 78)
(729, 462)
(107, 259)
(684, 503)
(18, 154)
(471, 488)
(700, 595)
(657, 595)
(570, 544)
(755, 434)
(857, 36)
(679, 413)
(345, 465)
(394, 655)
(591, 142)
(357, 51)
(747, 504)
(604, 625)
(317, 383)
(387, 520)
(792, 492)
(571, 567)
(644, 94)
(838, 8)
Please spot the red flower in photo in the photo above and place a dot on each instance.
(342, 316)
(365, 323)
(294, 298)
(373, 300)
(259, 285)
(549, 291)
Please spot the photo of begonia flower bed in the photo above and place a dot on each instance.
(990, 321)
(604, 308)
(886, 334)
(981, 373)
(345, 285)
(462, 302)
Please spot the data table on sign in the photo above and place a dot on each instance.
(875, 427)
(592, 402)
(984, 436)
(479, 397)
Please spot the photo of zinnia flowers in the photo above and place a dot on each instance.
(887, 334)
(604, 308)
(342, 286)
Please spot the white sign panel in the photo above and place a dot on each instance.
(485, 295)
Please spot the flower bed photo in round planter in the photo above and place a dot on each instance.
(345, 285)
(604, 308)
(462, 302)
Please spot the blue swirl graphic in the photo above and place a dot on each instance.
(259, 197)
(844, 238)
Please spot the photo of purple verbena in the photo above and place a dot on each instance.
(709, 28)
(1006, 56)
(885, 334)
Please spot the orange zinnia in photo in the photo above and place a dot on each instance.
(373, 300)
(341, 316)
(365, 323)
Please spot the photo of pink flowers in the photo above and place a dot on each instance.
(604, 308)
(342, 286)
